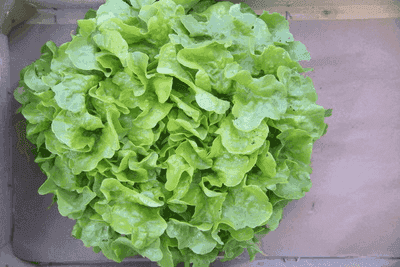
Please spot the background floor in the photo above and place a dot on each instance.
(353, 208)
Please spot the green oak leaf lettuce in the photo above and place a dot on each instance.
(176, 130)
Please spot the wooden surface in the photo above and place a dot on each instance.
(350, 12)
(328, 9)
(292, 10)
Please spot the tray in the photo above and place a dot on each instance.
(353, 208)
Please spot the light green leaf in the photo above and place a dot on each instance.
(168, 64)
(116, 9)
(33, 81)
(161, 18)
(74, 129)
(167, 259)
(188, 108)
(137, 4)
(273, 57)
(302, 112)
(298, 181)
(232, 168)
(81, 51)
(195, 156)
(70, 93)
(211, 59)
(113, 42)
(149, 118)
(257, 99)
(104, 147)
(240, 142)
(128, 82)
(109, 62)
(243, 234)
(132, 34)
(245, 206)
(278, 26)
(190, 237)
(297, 51)
(86, 26)
(162, 86)
(63, 177)
(145, 169)
(176, 166)
(70, 202)
(143, 223)
(114, 190)
(123, 247)
(297, 146)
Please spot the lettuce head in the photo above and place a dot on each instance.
(177, 130)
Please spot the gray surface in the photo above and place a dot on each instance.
(5, 143)
(356, 165)
(356, 171)
(66, 3)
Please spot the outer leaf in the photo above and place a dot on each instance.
(137, 4)
(298, 181)
(199, 260)
(70, 203)
(297, 51)
(81, 52)
(144, 223)
(112, 41)
(245, 206)
(87, 26)
(105, 147)
(167, 259)
(190, 237)
(153, 251)
(242, 234)
(70, 93)
(273, 57)
(62, 62)
(123, 247)
(71, 129)
(33, 81)
(63, 177)
(96, 233)
(302, 113)
(279, 204)
(162, 19)
(116, 9)
(278, 26)
(297, 146)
